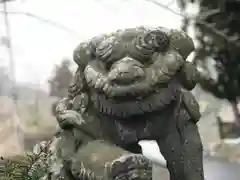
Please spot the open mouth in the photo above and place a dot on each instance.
(121, 82)
(125, 106)
(126, 80)
(127, 83)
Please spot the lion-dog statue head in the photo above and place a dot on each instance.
(123, 70)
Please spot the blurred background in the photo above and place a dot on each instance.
(37, 38)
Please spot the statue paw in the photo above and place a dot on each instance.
(131, 167)
(80, 172)
(70, 118)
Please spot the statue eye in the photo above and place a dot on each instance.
(149, 42)
(157, 39)
(105, 48)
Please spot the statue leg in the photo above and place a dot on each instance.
(63, 148)
(101, 159)
(182, 149)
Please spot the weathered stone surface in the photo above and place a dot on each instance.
(128, 88)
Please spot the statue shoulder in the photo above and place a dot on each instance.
(82, 54)
(191, 104)
(181, 42)
(189, 75)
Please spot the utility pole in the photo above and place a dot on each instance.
(10, 51)
(13, 93)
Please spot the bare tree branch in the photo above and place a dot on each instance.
(166, 7)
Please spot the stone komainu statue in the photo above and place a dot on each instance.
(131, 85)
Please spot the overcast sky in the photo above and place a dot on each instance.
(38, 46)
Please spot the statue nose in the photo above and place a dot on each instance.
(124, 74)
(131, 71)
(123, 69)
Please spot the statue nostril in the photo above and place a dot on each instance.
(139, 71)
(123, 73)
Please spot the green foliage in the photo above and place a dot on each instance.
(15, 168)
(23, 167)
(218, 34)
(225, 27)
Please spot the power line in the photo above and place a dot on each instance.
(52, 23)
(167, 8)
(4, 1)
(183, 15)
(107, 5)
(170, 3)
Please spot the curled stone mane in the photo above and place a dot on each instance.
(127, 70)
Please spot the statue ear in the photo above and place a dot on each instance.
(83, 54)
(78, 84)
(180, 41)
(85, 51)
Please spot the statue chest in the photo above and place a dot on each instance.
(129, 130)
